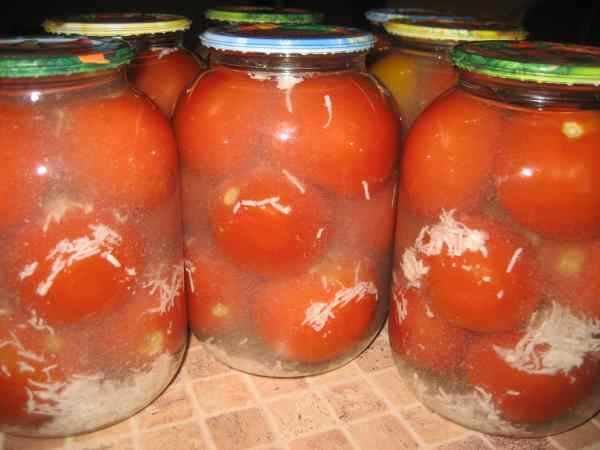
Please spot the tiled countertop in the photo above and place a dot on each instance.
(364, 405)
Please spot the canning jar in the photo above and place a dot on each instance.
(495, 317)
(288, 152)
(418, 69)
(162, 68)
(92, 314)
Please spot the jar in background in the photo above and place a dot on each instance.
(418, 68)
(495, 317)
(288, 151)
(92, 316)
(162, 68)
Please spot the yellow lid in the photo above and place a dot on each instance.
(117, 24)
(453, 29)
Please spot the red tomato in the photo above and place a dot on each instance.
(421, 338)
(548, 173)
(269, 223)
(571, 274)
(163, 74)
(24, 170)
(486, 291)
(217, 122)
(449, 154)
(340, 131)
(408, 226)
(78, 264)
(368, 225)
(522, 396)
(216, 293)
(122, 146)
(196, 192)
(318, 316)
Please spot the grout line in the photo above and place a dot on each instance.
(486, 440)
(2, 439)
(467, 435)
(136, 433)
(555, 443)
(198, 416)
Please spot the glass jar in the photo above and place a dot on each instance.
(92, 314)
(418, 69)
(162, 68)
(288, 152)
(495, 317)
(244, 14)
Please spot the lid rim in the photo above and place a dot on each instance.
(262, 15)
(460, 33)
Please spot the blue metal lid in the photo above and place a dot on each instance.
(382, 15)
(288, 39)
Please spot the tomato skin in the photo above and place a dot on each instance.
(164, 77)
(571, 272)
(541, 397)
(283, 236)
(340, 131)
(280, 311)
(449, 154)
(550, 182)
(420, 337)
(125, 147)
(492, 293)
(75, 266)
(216, 293)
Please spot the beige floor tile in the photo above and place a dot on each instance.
(394, 388)
(501, 443)
(468, 443)
(301, 414)
(240, 430)
(222, 394)
(383, 433)
(341, 375)
(201, 364)
(377, 357)
(173, 406)
(17, 443)
(581, 437)
(187, 436)
(273, 387)
(329, 440)
(105, 444)
(354, 400)
(431, 428)
(114, 433)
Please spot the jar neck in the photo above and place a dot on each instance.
(289, 63)
(531, 94)
(426, 47)
(147, 42)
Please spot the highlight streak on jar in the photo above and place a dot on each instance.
(294, 180)
(365, 186)
(513, 260)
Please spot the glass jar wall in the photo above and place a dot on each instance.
(288, 152)
(495, 317)
(92, 315)
(162, 68)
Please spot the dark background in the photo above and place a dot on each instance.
(567, 21)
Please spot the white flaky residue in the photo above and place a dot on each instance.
(428, 312)
(39, 324)
(28, 270)
(413, 268)
(273, 202)
(83, 402)
(556, 341)
(285, 82)
(167, 281)
(365, 186)
(401, 306)
(329, 108)
(513, 260)
(295, 181)
(164, 51)
(21, 350)
(500, 294)
(58, 208)
(103, 241)
(320, 232)
(190, 268)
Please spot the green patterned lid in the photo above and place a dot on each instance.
(259, 14)
(543, 62)
(54, 56)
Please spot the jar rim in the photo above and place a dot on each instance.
(380, 16)
(262, 14)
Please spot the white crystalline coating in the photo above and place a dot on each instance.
(455, 236)
(59, 208)
(28, 270)
(329, 108)
(120, 217)
(294, 180)
(556, 341)
(24, 367)
(466, 268)
(319, 312)
(413, 268)
(83, 402)
(167, 280)
(401, 306)
(39, 324)
(320, 232)
(287, 81)
(260, 76)
(21, 350)
(500, 294)
(273, 202)
(162, 52)
(486, 279)
(103, 241)
(513, 260)
(365, 186)
(428, 312)
(4, 370)
(190, 268)
(131, 271)
(513, 393)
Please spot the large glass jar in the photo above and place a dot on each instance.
(418, 69)
(495, 317)
(92, 314)
(288, 152)
(162, 68)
